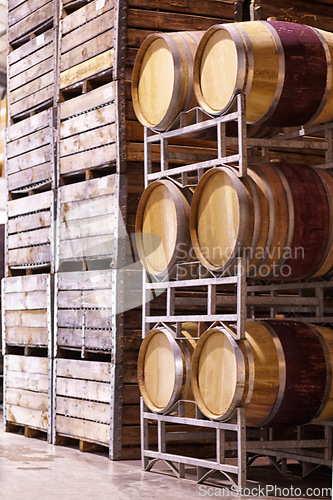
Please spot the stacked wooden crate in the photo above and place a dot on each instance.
(3, 124)
(29, 237)
(318, 14)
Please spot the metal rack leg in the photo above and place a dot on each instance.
(144, 436)
(241, 448)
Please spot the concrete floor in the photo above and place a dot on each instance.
(31, 469)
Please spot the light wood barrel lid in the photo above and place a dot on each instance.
(220, 218)
(162, 223)
(266, 370)
(219, 68)
(218, 374)
(162, 82)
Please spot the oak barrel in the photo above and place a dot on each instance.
(284, 69)
(162, 227)
(289, 376)
(164, 366)
(282, 228)
(162, 83)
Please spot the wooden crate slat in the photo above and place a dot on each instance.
(93, 339)
(21, 206)
(71, 229)
(91, 280)
(37, 173)
(38, 43)
(29, 160)
(89, 159)
(27, 416)
(29, 238)
(83, 429)
(44, 53)
(220, 9)
(94, 319)
(87, 389)
(30, 381)
(87, 50)
(28, 143)
(97, 371)
(87, 410)
(86, 69)
(29, 256)
(23, 300)
(85, 190)
(35, 319)
(27, 364)
(84, 298)
(88, 121)
(31, 22)
(87, 247)
(31, 75)
(85, 14)
(28, 126)
(33, 100)
(84, 209)
(87, 140)
(19, 284)
(86, 102)
(88, 31)
(23, 10)
(27, 399)
(20, 335)
(24, 223)
(27, 90)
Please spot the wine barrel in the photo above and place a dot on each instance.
(289, 236)
(162, 83)
(162, 227)
(283, 68)
(289, 379)
(164, 366)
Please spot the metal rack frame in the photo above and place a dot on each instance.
(245, 297)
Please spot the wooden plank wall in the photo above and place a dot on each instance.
(318, 14)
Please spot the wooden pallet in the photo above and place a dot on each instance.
(27, 383)
(86, 222)
(26, 310)
(87, 134)
(30, 154)
(31, 76)
(29, 233)
(86, 44)
(318, 14)
(28, 18)
(3, 124)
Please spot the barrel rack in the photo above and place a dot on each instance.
(230, 298)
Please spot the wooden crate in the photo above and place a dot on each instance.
(82, 409)
(30, 153)
(28, 18)
(27, 391)
(87, 132)
(86, 222)
(86, 44)
(318, 14)
(26, 309)
(83, 310)
(29, 233)
(31, 75)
